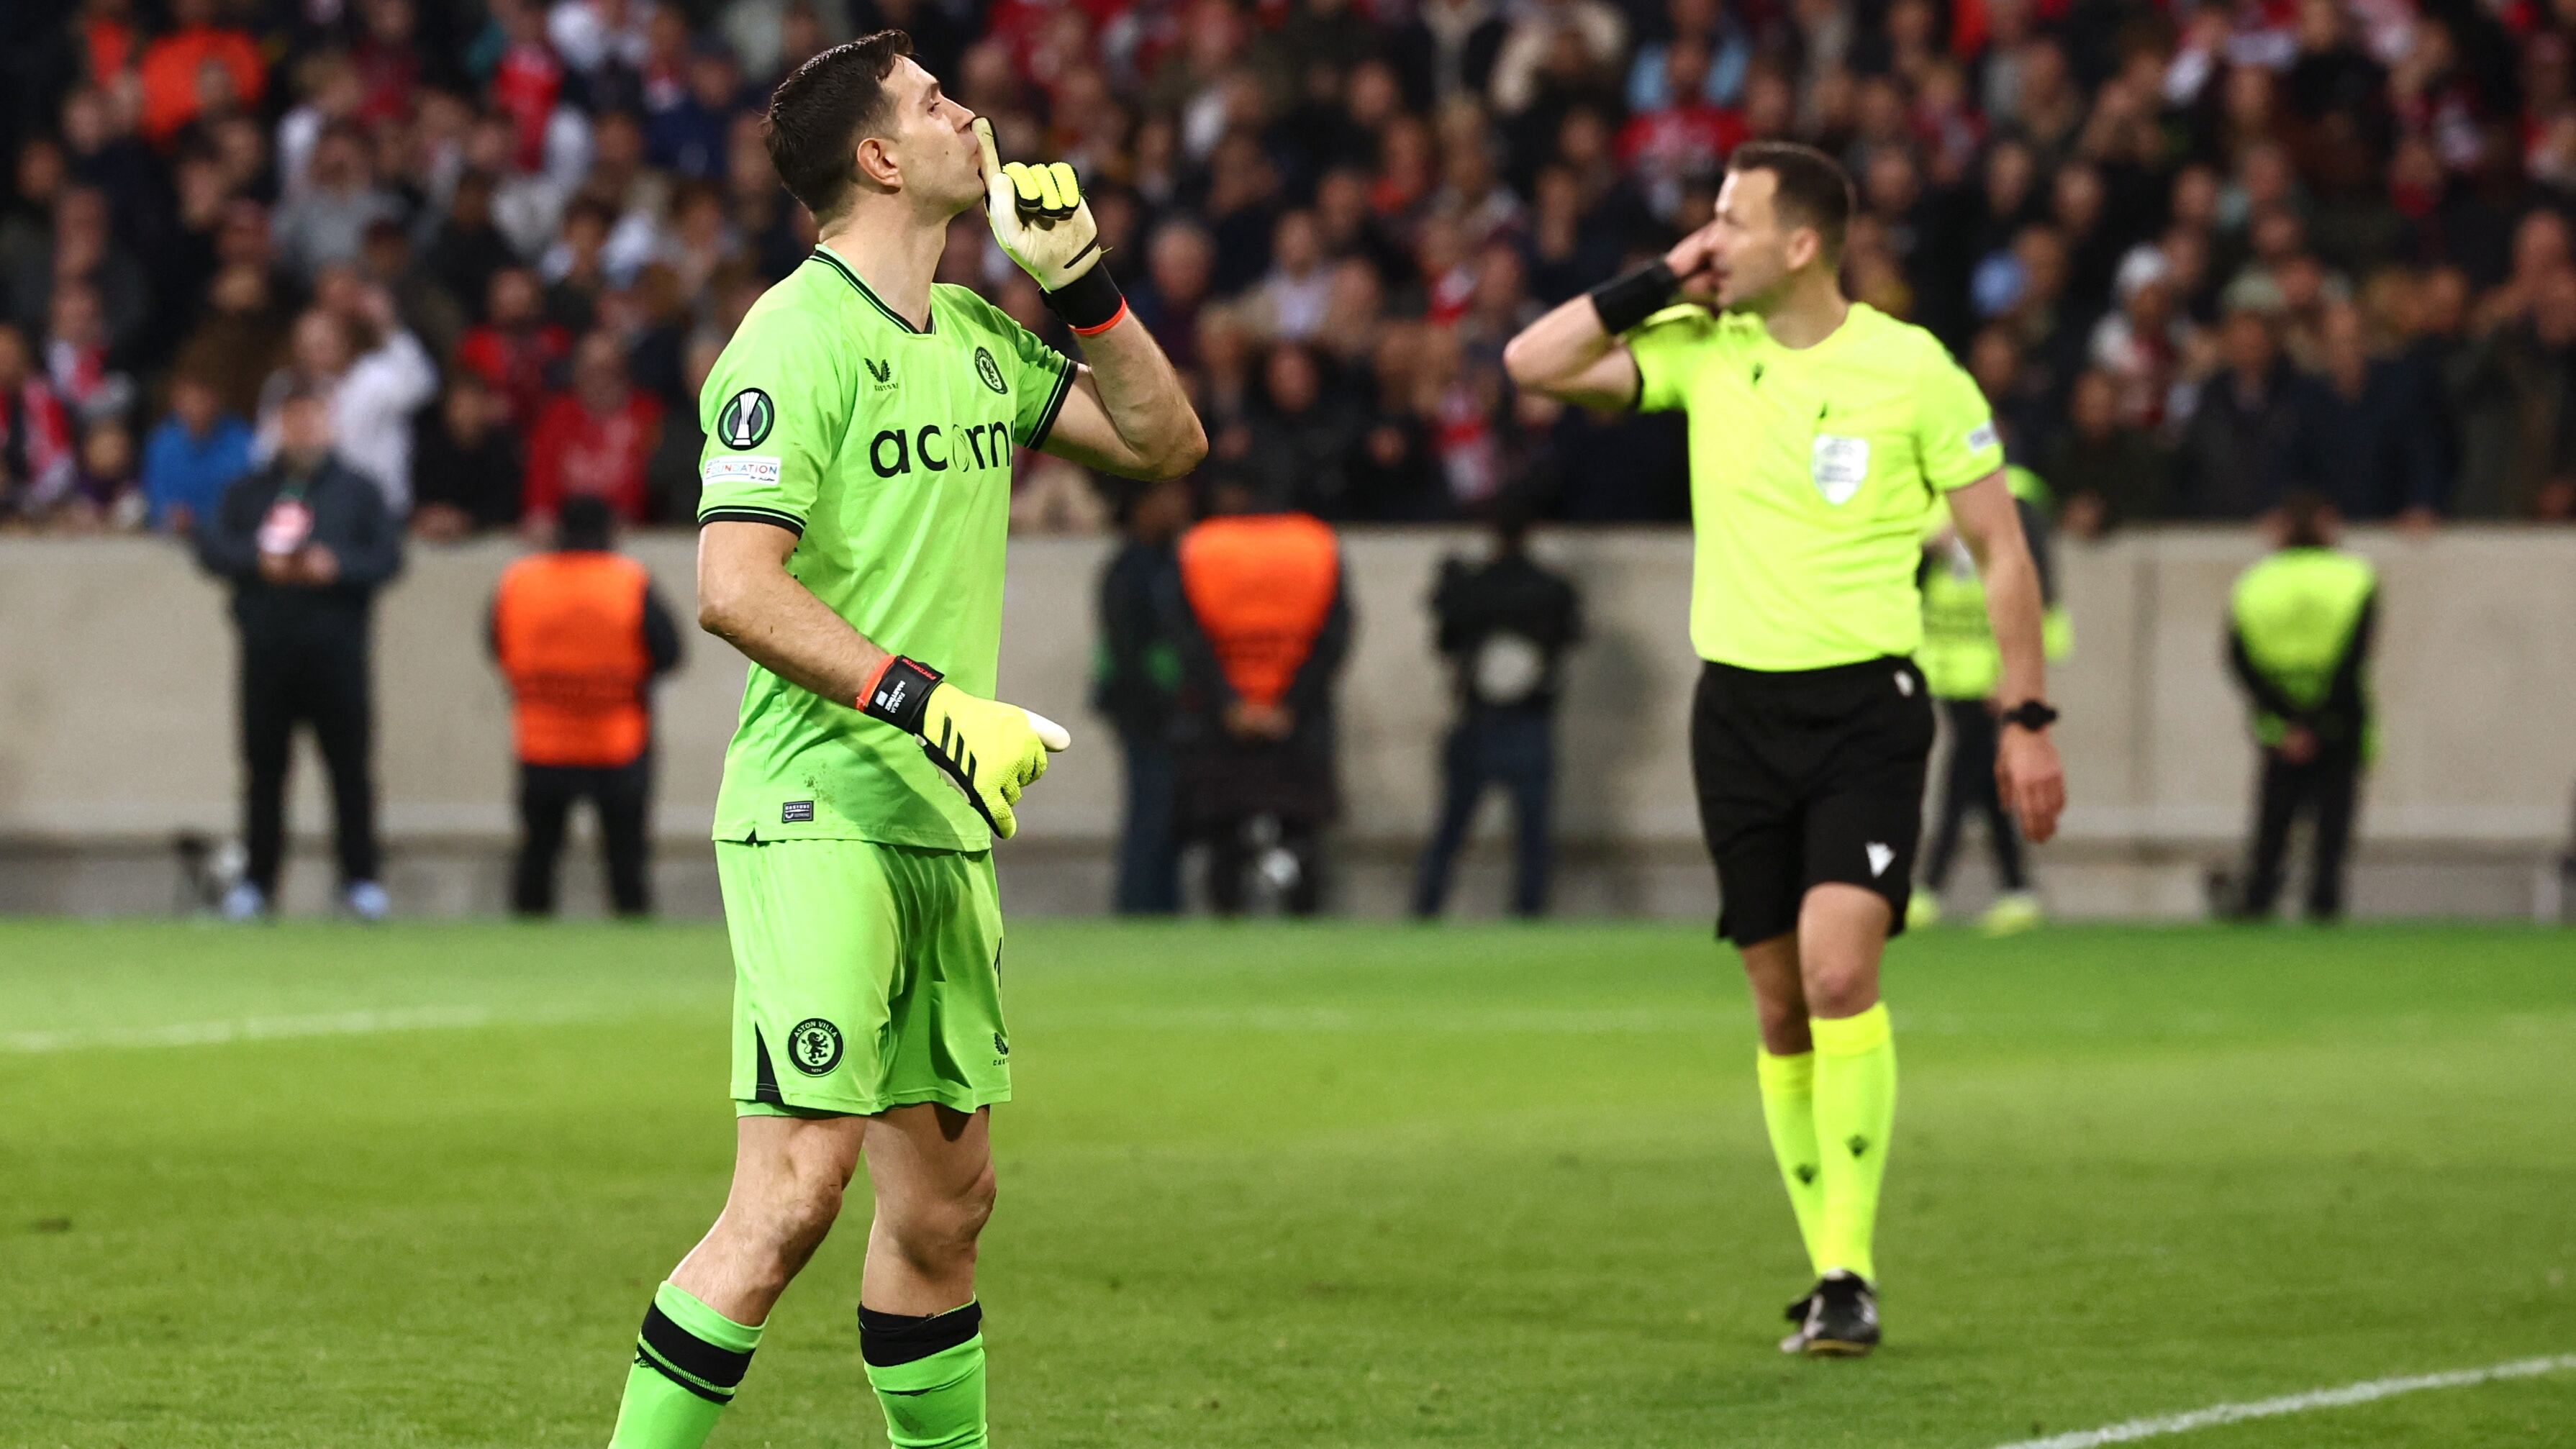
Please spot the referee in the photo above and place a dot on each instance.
(1822, 435)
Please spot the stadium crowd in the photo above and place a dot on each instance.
(2198, 256)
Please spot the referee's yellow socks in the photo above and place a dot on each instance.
(1855, 1105)
(1789, 1110)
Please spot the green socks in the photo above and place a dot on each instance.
(688, 1361)
(1855, 1105)
(1789, 1110)
(928, 1374)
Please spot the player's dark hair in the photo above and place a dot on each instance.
(585, 524)
(2307, 519)
(818, 114)
(1813, 189)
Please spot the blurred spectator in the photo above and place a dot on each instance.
(81, 250)
(1135, 684)
(2511, 388)
(1263, 635)
(594, 439)
(169, 72)
(671, 477)
(325, 219)
(242, 339)
(517, 352)
(193, 456)
(2374, 451)
(374, 376)
(305, 543)
(77, 358)
(467, 249)
(1504, 627)
(465, 463)
(2240, 448)
(1299, 437)
(580, 634)
(37, 462)
(1706, 24)
(2107, 471)
(687, 137)
(1291, 301)
(104, 492)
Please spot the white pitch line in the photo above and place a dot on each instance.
(2349, 1394)
(255, 1028)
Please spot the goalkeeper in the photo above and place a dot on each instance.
(857, 479)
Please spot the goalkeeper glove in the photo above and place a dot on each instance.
(1039, 217)
(988, 750)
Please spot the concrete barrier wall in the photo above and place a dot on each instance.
(116, 698)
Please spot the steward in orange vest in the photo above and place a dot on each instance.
(580, 635)
(1268, 626)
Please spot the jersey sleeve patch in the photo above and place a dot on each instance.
(1955, 430)
(753, 469)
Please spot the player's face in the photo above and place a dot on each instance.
(1751, 246)
(934, 140)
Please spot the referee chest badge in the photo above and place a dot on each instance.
(1839, 467)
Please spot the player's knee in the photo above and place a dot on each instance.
(1840, 989)
(938, 1233)
(802, 1213)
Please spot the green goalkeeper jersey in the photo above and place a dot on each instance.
(887, 450)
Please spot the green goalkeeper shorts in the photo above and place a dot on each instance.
(866, 977)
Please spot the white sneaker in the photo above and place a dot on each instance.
(366, 900)
(244, 902)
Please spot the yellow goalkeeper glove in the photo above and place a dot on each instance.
(990, 751)
(1042, 223)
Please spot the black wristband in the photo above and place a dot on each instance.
(1090, 302)
(898, 693)
(2030, 714)
(1623, 302)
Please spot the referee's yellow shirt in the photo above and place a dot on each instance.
(1813, 471)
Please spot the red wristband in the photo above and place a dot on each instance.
(1114, 319)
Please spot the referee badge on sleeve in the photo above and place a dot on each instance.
(1839, 467)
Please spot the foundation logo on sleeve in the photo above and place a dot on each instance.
(1982, 436)
(814, 1046)
(746, 419)
(989, 370)
(755, 468)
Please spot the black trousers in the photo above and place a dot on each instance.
(314, 674)
(622, 798)
(1513, 748)
(2324, 790)
(1968, 784)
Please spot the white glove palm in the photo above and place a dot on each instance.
(1039, 216)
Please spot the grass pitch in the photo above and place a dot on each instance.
(1331, 1186)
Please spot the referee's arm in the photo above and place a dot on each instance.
(1574, 353)
(2027, 772)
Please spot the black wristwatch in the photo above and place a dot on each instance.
(2030, 714)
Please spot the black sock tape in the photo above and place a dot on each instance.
(887, 1339)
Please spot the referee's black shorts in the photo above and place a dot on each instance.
(1806, 777)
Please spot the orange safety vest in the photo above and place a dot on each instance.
(1261, 586)
(569, 629)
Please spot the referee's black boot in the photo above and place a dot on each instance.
(1837, 1319)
